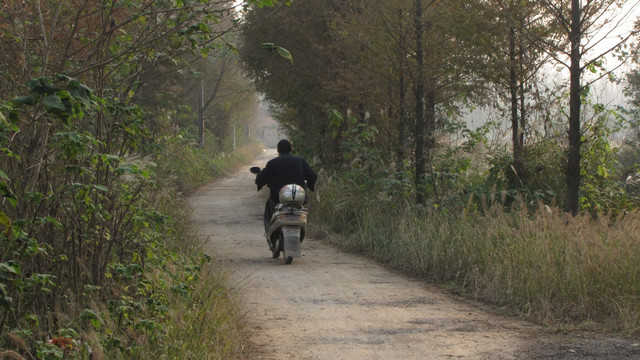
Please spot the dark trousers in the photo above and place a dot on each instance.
(269, 208)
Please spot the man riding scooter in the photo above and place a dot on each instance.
(282, 170)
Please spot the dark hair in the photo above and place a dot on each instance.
(284, 146)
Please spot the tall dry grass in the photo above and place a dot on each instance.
(187, 167)
(187, 303)
(205, 325)
(553, 269)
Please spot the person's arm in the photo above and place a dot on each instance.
(263, 176)
(309, 175)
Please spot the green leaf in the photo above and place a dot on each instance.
(14, 117)
(49, 88)
(101, 188)
(54, 101)
(11, 269)
(5, 301)
(111, 159)
(204, 28)
(80, 92)
(91, 289)
(281, 51)
(93, 318)
(285, 54)
(24, 100)
(33, 249)
(145, 324)
(269, 46)
(7, 193)
(6, 223)
(53, 221)
(34, 84)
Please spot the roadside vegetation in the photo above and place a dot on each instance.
(556, 270)
(99, 261)
(101, 135)
(467, 143)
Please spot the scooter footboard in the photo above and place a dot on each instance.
(291, 241)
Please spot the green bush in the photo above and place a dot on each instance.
(96, 258)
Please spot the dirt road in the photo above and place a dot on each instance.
(331, 305)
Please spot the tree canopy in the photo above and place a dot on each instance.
(402, 75)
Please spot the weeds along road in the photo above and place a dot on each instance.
(332, 305)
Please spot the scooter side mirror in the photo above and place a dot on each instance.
(255, 169)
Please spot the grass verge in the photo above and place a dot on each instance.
(203, 320)
(554, 269)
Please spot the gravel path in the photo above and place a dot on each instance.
(332, 305)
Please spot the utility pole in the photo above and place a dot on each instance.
(201, 112)
(420, 103)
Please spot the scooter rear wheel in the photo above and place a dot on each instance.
(277, 247)
(287, 259)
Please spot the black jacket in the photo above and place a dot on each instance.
(283, 170)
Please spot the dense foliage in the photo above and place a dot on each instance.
(100, 135)
(356, 74)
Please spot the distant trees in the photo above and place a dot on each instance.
(376, 63)
(300, 90)
(508, 57)
(581, 21)
(632, 91)
(410, 68)
(114, 48)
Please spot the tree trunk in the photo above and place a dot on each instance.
(201, 113)
(521, 85)
(402, 115)
(572, 204)
(430, 130)
(516, 130)
(419, 94)
(402, 89)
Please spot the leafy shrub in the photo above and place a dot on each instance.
(94, 259)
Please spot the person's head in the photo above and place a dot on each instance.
(284, 147)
